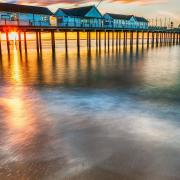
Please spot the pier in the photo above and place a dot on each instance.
(129, 37)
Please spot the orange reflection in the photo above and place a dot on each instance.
(20, 119)
(16, 67)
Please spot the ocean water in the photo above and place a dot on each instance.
(100, 115)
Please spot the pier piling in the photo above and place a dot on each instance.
(66, 42)
(8, 43)
(53, 44)
(37, 43)
(25, 43)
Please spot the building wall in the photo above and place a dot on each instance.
(109, 22)
(24, 19)
(92, 19)
(94, 13)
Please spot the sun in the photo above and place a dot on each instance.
(13, 36)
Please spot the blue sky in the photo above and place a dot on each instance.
(147, 8)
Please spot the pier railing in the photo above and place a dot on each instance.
(85, 25)
(5, 22)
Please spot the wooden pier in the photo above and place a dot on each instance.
(154, 37)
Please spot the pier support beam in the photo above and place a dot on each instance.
(148, 39)
(174, 37)
(105, 40)
(0, 47)
(113, 40)
(152, 39)
(124, 40)
(40, 43)
(131, 39)
(164, 38)
(25, 43)
(142, 38)
(157, 39)
(108, 41)
(66, 42)
(19, 40)
(37, 43)
(119, 40)
(78, 43)
(53, 44)
(137, 39)
(126, 35)
(89, 41)
(99, 40)
(8, 43)
(161, 38)
(96, 40)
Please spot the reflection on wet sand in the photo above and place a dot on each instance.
(93, 116)
(69, 69)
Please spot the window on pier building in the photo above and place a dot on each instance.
(45, 18)
(6, 17)
(14, 17)
(60, 19)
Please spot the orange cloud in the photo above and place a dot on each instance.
(52, 2)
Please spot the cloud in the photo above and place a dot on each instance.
(77, 2)
(142, 2)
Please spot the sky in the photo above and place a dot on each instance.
(150, 9)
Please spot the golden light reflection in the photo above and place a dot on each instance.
(19, 114)
(16, 114)
(16, 73)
